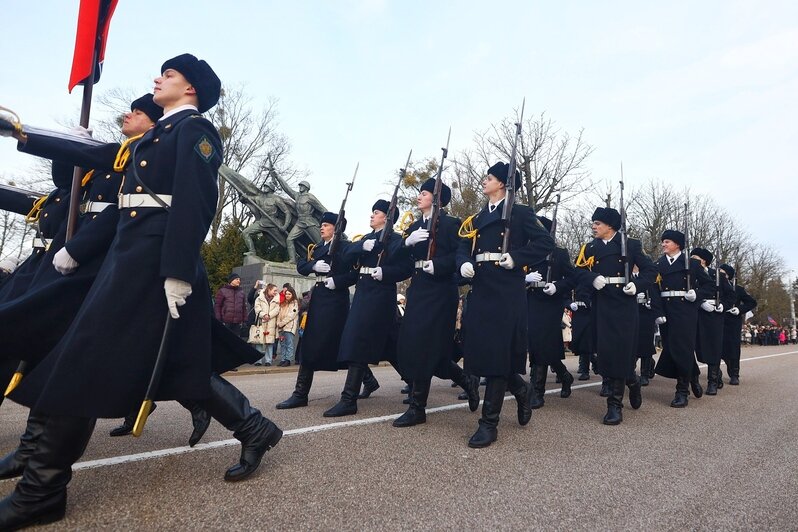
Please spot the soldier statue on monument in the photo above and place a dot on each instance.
(309, 210)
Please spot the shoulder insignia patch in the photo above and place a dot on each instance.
(204, 148)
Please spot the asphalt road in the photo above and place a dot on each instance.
(728, 462)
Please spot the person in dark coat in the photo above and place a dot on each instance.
(102, 365)
(733, 324)
(372, 316)
(546, 284)
(427, 331)
(582, 329)
(709, 339)
(650, 314)
(230, 306)
(329, 308)
(614, 306)
(683, 291)
(495, 326)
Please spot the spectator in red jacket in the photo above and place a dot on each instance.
(231, 305)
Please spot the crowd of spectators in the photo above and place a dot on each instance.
(768, 335)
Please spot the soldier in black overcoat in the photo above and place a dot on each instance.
(426, 334)
(582, 329)
(329, 308)
(741, 304)
(495, 326)
(650, 313)
(709, 339)
(103, 364)
(614, 307)
(680, 301)
(546, 284)
(372, 316)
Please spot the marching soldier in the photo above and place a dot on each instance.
(733, 324)
(681, 290)
(426, 335)
(649, 306)
(153, 266)
(329, 308)
(494, 327)
(372, 315)
(582, 329)
(614, 306)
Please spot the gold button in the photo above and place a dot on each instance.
(45, 215)
(156, 140)
(501, 234)
(93, 217)
(167, 126)
(99, 196)
(143, 164)
(138, 189)
(108, 176)
(496, 263)
(478, 235)
(132, 214)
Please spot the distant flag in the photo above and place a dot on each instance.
(772, 321)
(94, 18)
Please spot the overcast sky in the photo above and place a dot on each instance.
(701, 94)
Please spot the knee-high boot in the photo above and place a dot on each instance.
(584, 367)
(40, 495)
(635, 391)
(645, 368)
(539, 376)
(257, 434)
(469, 383)
(606, 388)
(491, 409)
(712, 379)
(680, 399)
(304, 380)
(200, 420)
(416, 413)
(523, 396)
(370, 383)
(565, 378)
(347, 406)
(13, 464)
(614, 414)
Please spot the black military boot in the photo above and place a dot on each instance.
(538, 384)
(565, 378)
(13, 464)
(469, 383)
(370, 384)
(304, 380)
(712, 380)
(127, 424)
(257, 434)
(680, 400)
(406, 400)
(605, 387)
(523, 396)
(200, 419)
(406, 389)
(734, 373)
(491, 409)
(720, 378)
(695, 386)
(584, 367)
(594, 363)
(40, 495)
(635, 392)
(614, 414)
(416, 413)
(645, 363)
(347, 406)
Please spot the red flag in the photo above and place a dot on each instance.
(94, 18)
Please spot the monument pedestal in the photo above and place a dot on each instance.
(278, 273)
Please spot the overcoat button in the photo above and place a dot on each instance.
(132, 214)
(99, 196)
(45, 215)
(156, 140)
(108, 176)
(138, 189)
(57, 200)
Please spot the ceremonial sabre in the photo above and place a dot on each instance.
(155, 379)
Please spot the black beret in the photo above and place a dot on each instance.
(446, 192)
(200, 75)
(146, 105)
(332, 218)
(704, 254)
(501, 171)
(728, 269)
(233, 276)
(675, 236)
(546, 223)
(382, 205)
(609, 216)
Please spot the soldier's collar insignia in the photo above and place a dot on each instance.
(204, 148)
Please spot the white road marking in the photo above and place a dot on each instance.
(116, 460)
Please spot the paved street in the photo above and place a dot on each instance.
(724, 462)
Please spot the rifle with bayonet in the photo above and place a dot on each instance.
(388, 229)
(686, 249)
(717, 274)
(509, 198)
(553, 234)
(338, 233)
(30, 193)
(624, 240)
(436, 203)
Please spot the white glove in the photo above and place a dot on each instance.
(690, 295)
(176, 293)
(707, 306)
(64, 263)
(550, 289)
(734, 311)
(599, 282)
(719, 307)
(419, 235)
(80, 131)
(661, 320)
(467, 270)
(574, 307)
(321, 267)
(507, 262)
(377, 273)
(428, 267)
(630, 289)
(329, 284)
(533, 277)
(368, 245)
